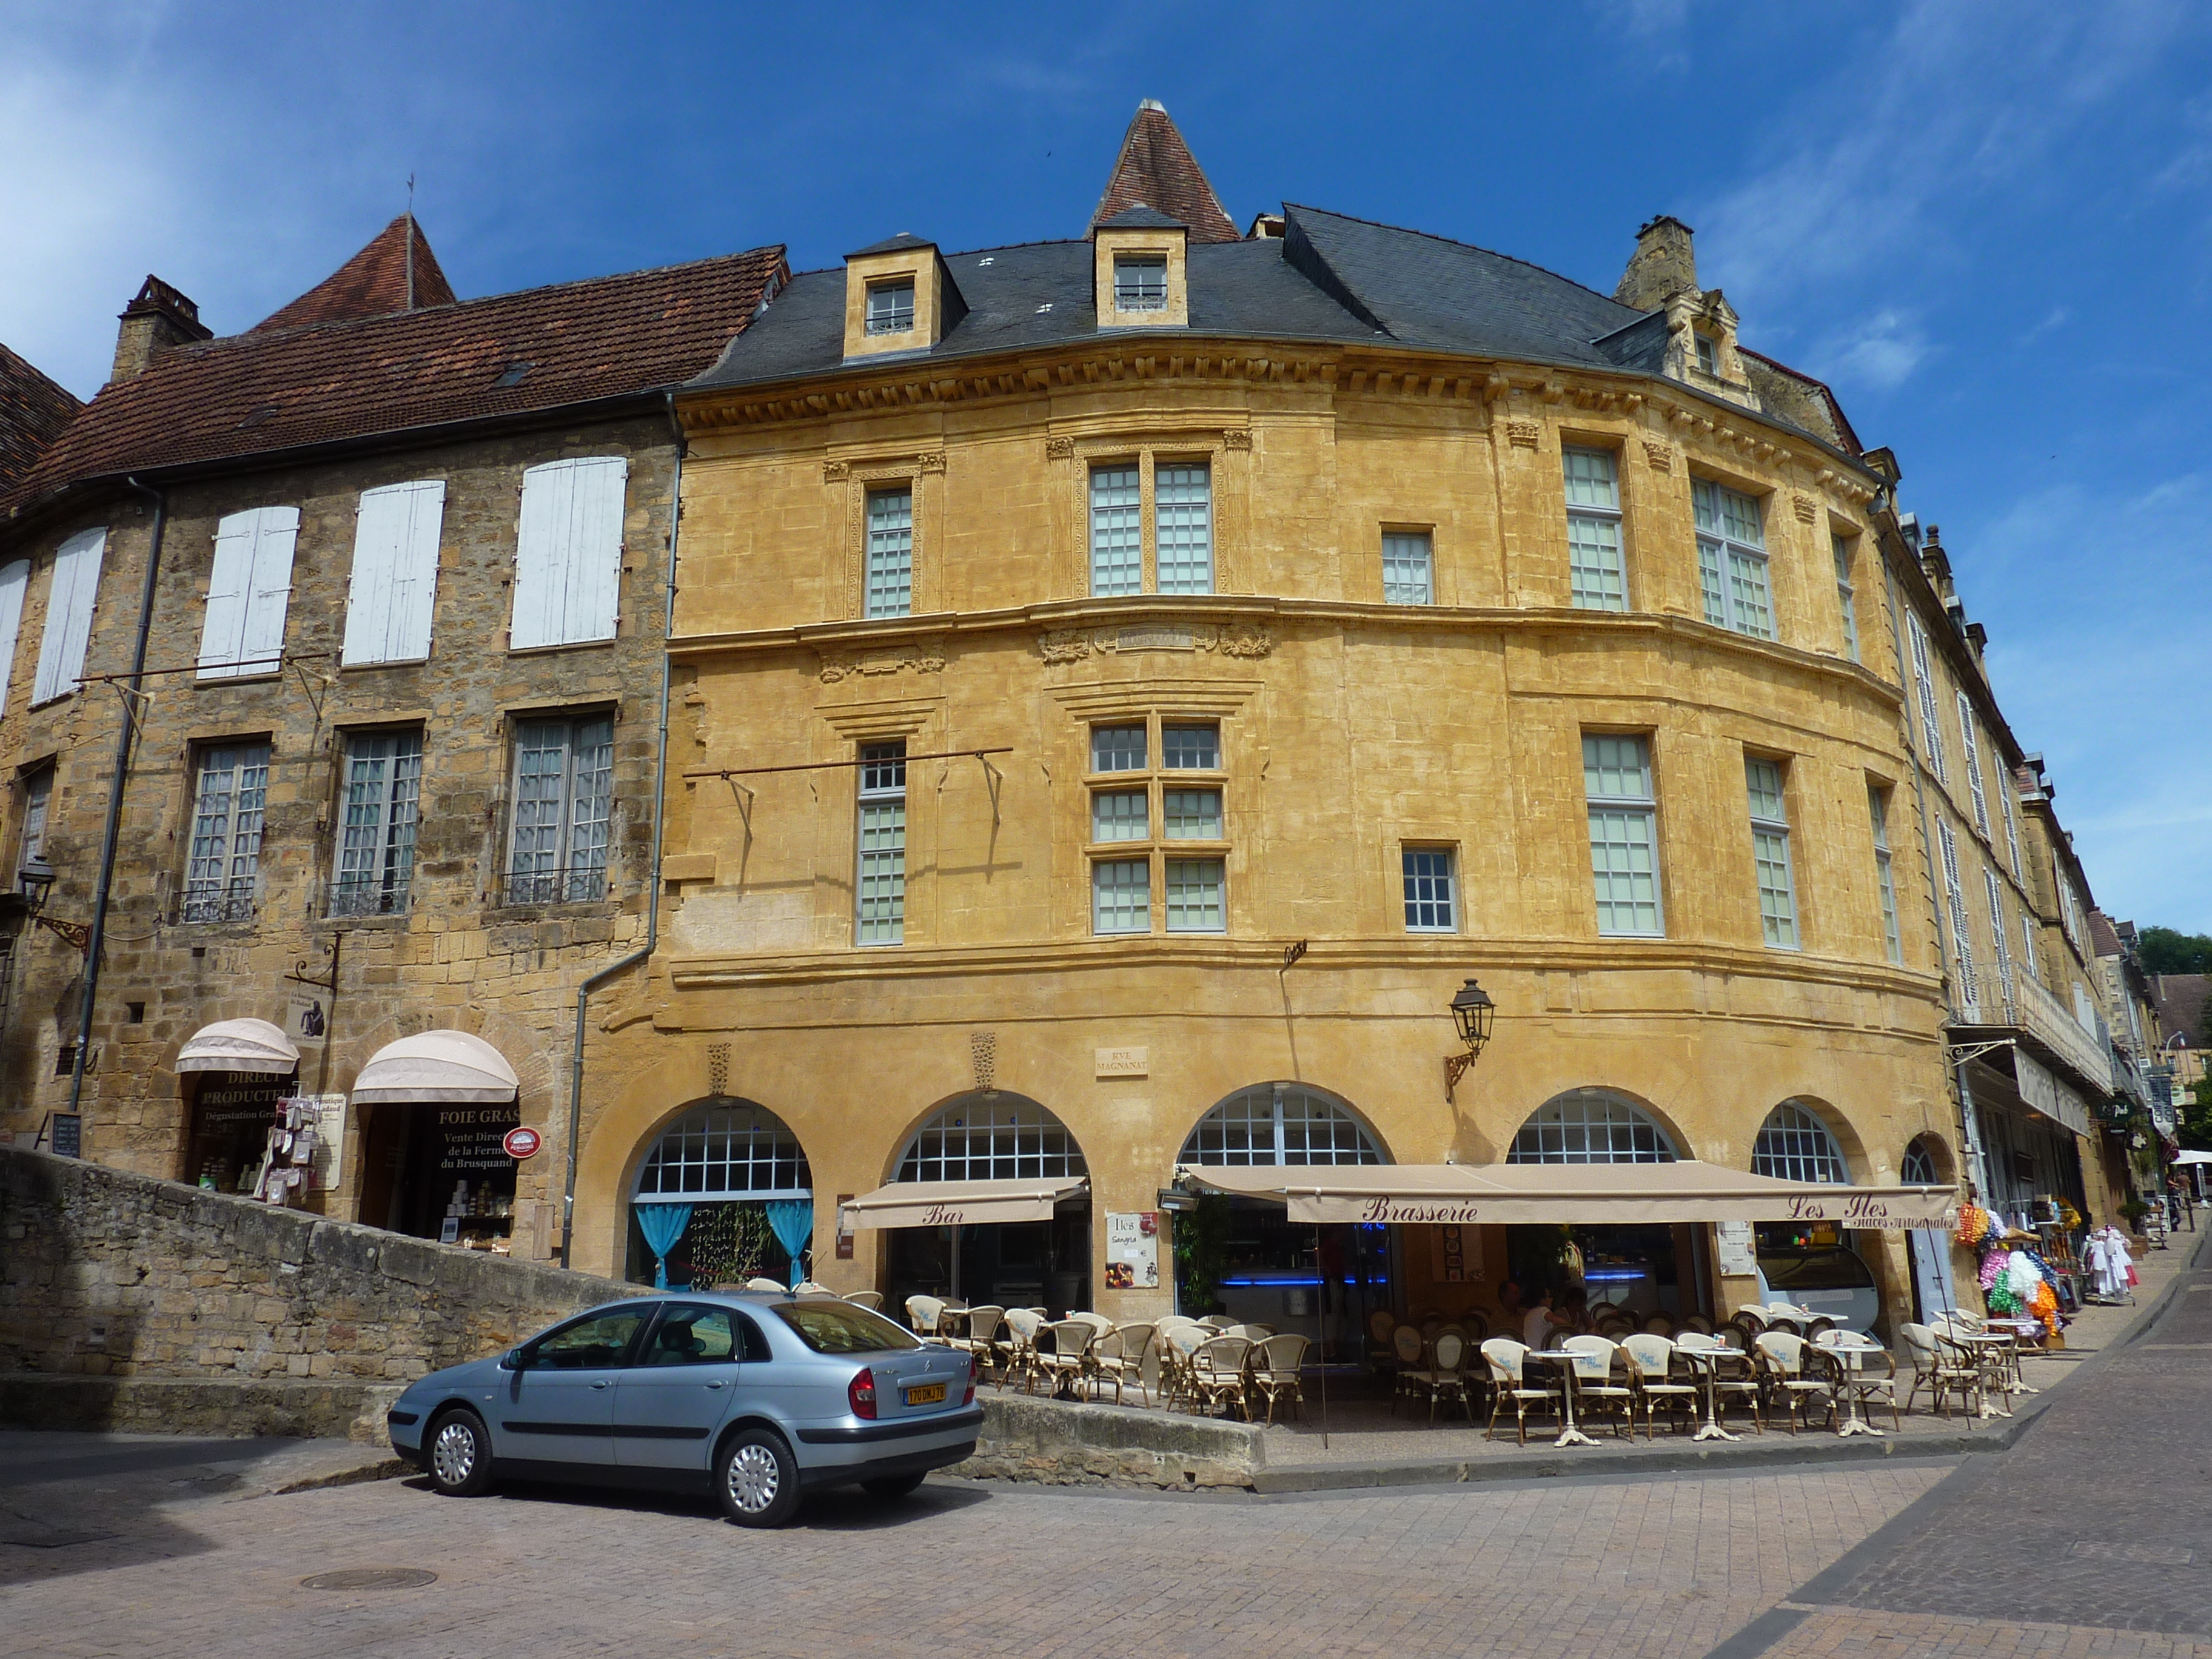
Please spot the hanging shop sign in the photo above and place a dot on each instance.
(522, 1141)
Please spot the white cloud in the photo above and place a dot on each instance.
(1879, 352)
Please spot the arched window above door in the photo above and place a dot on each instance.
(997, 1136)
(1280, 1123)
(1794, 1145)
(1592, 1126)
(727, 1149)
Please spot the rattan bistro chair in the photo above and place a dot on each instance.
(1020, 1357)
(1857, 1377)
(1118, 1357)
(1070, 1365)
(1650, 1360)
(1276, 1366)
(922, 1313)
(1595, 1359)
(871, 1300)
(1180, 1339)
(1504, 1358)
(1781, 1362)
(1732, 1376)
(1940, 1373)
(1216, 1376)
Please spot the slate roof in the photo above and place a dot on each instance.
(373, 282)
(34, 410)
(1156, 169)
(1328, 278)
(1140, 217)
(278, 389)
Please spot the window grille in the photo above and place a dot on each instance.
(731, 1152)
(1194, 896)
(1794, 1145)
(1600, 580)
(880, 891)
(1120, 815)
(1276, 1123)
(1408, 574)
(890, 306)
(1770, 851)
(1117, 749)
(891, 552)
(1140, 281)
(1183, 505)
(1846, 599)
(227, 800)
(563, 796)
(376, 848)
(1589, 1126)
(1001, 1138)
(1732, 560)
(1117, 554)
(1428, 878)
(1879, 806)
(1193, 814)
(1918, 1168)
(1188, 748)
(1624, 839)
(1121, 896)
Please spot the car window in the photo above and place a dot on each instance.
(688, 1335)
(590, 1344)
(830, 1327)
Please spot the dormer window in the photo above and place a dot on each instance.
(1140, 281)
(890, 306)
(1709, 355)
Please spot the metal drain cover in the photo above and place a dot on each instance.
(359, 1578)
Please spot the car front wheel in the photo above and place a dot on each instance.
(756, 1481)
(459, 1455)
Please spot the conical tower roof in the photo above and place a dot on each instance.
(397, 271)
(1156, 169)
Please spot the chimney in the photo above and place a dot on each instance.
(158, 319)
(1665, 261)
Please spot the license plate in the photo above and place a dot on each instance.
(933, 1394)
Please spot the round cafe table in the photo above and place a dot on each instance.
(1854, 1420)
(1564, 1358)
(1707, 1360)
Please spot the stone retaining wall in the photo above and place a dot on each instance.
(103, 1274)
(1063, 1445)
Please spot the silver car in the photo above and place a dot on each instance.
(762, 1397)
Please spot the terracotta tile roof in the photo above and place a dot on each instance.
(2102, 935)
(512, 353)
(2180, 1000)
(373, 282)
(33, 412)
(1157, 170)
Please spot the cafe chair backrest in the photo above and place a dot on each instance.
(1071, 1337)
(1187, 1339)
(983, 1323)
(1650, 1355)
(1380, 1324)
(1504, 1356)
(922, 1313)
(1593, 1356)
(1224, 1354)
(1281, 1357)
(1025, 1323)
(1452, 1350)
(1785, 1353)
(1406, 1343)
(1699, 1342)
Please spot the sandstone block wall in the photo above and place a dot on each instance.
(107, 1273)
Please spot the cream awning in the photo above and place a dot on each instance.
(1506, 1194)
(435, 1066)
(239, 1045)
(956, 1203)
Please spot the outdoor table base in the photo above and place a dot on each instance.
(1708, 1361)
(1564, 1359)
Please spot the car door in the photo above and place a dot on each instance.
(558, 1406)
(690, 1367)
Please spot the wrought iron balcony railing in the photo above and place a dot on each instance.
(570, 884)
(1992, 1000)
(367, 896)
(211, 903)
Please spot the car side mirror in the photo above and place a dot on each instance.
(511, 1360)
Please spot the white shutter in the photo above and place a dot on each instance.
(14, 579)
(69, 596)
(395, 571)
(1923, 675)
(568, 557)
(271, 594)
(222, 626)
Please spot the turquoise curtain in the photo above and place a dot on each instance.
(662, 1225)
(792, 1219)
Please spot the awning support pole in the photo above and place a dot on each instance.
(1322, 1303)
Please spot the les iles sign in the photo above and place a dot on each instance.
(522, 1141)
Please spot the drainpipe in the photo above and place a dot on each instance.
(97, 940)
(643, 953)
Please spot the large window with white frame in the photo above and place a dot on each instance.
(1623, 832)
(1770, 852)
(1884, 879)
(1158, 827)
(1117, 542)
(1970, 746)
(1280, 1123)
(1923, 684)
(880, 881)
(2030, 940)
(2000, 935)
(890, 551)
(563, 803)
(1408, 568)
(1591, 1125)
(383, 789)
(1962, 938)
(1172, 553)
(890, 306)
(1732, 560)
(38, 787)
(1795, 1144)
(1140, 281)
(230, 790)
(1182, 533)
(1844, 548)
(1598, 576)
(998, 1137)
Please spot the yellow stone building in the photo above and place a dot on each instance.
(1125, 687)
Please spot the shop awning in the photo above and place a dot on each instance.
(2193, 1158)
(238, 1045)
(436, 1066)
(956, 1203)
(1507, 1194)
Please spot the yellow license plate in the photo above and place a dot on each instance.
(932, 1395)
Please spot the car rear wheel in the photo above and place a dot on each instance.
(892, 1486)
(757, 1479)
(459, 1454)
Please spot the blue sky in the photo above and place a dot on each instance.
(1988, 225)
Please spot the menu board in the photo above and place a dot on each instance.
(1132, 1251)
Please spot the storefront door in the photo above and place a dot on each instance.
(231, 1114)
(435, 1170)
(1932, 1289)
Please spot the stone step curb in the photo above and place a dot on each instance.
(372, 1466)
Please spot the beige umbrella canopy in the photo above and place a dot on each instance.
(436, 1066)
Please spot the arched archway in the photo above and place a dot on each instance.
(1290, 1123)
(1927, 1163)
(722, 1193)
(1593, 1126)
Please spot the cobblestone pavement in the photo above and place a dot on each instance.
(2092, 1538)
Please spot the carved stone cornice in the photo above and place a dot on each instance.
(922, 656)
(1240, 638)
